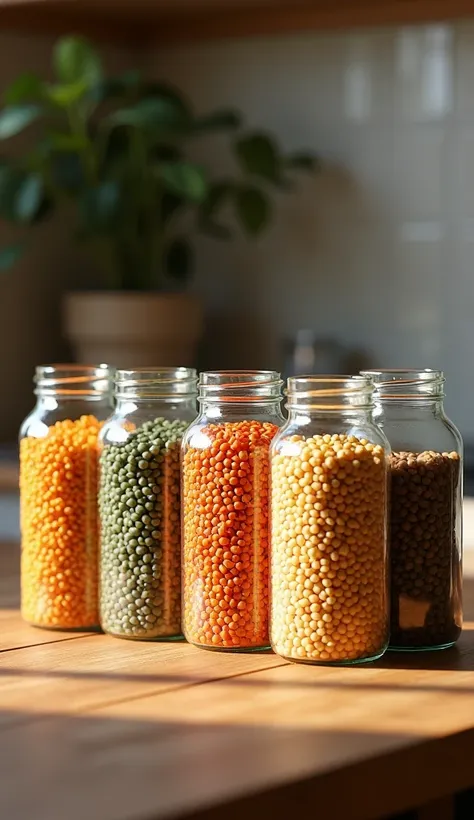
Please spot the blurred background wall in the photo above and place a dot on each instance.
(30, 331)
(376, 252)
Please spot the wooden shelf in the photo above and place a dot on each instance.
(169, 21)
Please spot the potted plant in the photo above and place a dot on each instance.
(116, 148)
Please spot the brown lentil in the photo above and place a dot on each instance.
(225, 532)
(328, 549)
(425, 558)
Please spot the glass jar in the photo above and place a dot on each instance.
(139, 503)
(225, 510)
(58, 496)
(426, 509)
(329, 515)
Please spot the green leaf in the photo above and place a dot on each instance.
(14, 118)
(65, 142)
(66, 95)
(75, 61)
(29, 197)
(170, 93)
(25, 88)
(218, 194)
(253, 210)
(183, 178)
(178, 260)
(156, 112)
(100, 207)
(258, 155)
(306, 162)
(67, 172)
(11, 179)
(10, 255)
(223, 120)
(120, 86)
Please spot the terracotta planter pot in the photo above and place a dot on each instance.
(129, 330)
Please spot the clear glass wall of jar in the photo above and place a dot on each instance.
(225, 510)
(426, 509)
(329, 511)
(139, 503)
(58, 495)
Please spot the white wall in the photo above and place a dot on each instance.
(378, 251)
(30, 331)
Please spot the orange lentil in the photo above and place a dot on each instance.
(59, 558)
(225, 536)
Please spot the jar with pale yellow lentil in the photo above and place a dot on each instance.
(140, 503)
(426, 509)
(58, 496)
(329, 507)
(225, 510)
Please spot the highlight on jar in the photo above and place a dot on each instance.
(58, 496)
(225, 459)
(426, 509)
(140, 503)
(329, 516)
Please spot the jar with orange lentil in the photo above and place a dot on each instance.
(329, 562)
(58, 496)
(225, 510)
(139, 503)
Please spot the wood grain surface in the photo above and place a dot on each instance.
(98, 728)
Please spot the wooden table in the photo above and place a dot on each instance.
(94, 728)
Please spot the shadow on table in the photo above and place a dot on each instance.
(111, 767)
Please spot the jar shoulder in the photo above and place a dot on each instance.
(418, 434)
(306, 427)
(126, 420)
(48, 413)
(199, 433)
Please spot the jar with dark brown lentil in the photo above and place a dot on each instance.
(225, 510)
(329, 510)
(426, 509)
(139, 503)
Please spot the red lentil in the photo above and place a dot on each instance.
(225, 531)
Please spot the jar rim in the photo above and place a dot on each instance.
(156, 382)
(67, 379)
(406, 384)
(240, 386)
(329, 392)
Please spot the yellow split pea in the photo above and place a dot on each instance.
(328, 549)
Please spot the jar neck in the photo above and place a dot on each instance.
(303, 415)
(268, 410)
(410, 408)
(240, 394)
(63, 383)
(168, 385)
(156, 404)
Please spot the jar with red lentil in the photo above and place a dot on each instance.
(329, 562)
(225, 458)
(426, 509)
(139, 503)
(58, 496)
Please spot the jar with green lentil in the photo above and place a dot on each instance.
(329, 510)
(426, 509)
(139, 503)
(225, 510)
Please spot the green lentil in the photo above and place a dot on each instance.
(139, 507)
